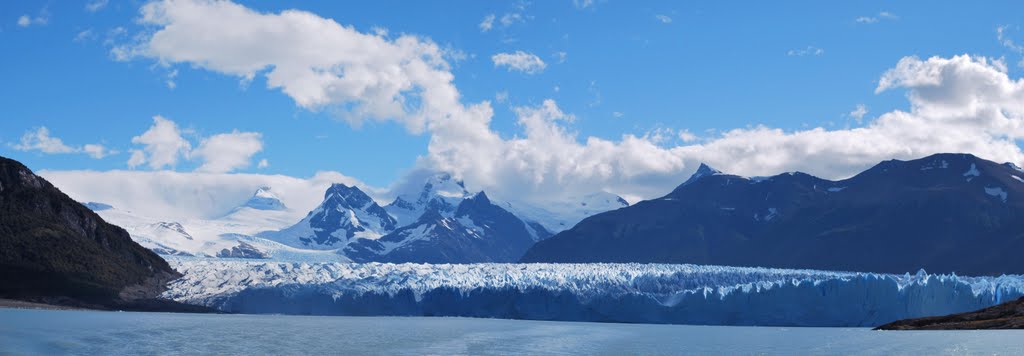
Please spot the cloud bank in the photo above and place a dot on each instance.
(957, 104)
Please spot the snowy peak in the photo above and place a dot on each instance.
(264, 199)
(476, 231)
(703, 171)
(347, 197)
(562, 214)
(345, 214)
(440, 192)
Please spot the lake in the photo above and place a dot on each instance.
(91, 332)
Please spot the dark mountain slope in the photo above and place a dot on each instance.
(1009, 315)
(945, 213)
(55, 250)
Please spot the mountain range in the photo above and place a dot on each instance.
(944, 213)
(438, 222)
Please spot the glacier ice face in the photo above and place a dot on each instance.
(647, 293)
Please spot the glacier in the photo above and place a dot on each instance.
(631, 293)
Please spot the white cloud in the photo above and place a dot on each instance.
(561, 56)
(510, 18)
(488, 23)
(184, 195)
(521, 61)
(227, 152)
(96, 5)
(42, 19)
(97, 151)
(617, 114)
(41, 140)
(809, 51)
(86, 35)
(582, 4)
(663, 18)
(501, 97)
(1009, 43)
(163, 146)
(137, 158)
(162, 143)
(263, 164)
(858, 113)
(958, 104)
(687, 136)
(884, 15)
(316, 61)
(866, 19)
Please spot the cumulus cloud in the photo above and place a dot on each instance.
(162, 144)
(229, 151)
(663, 18)
(521, 61)
(315, 61)
(41, 140)
(958, 104)
(96, 151)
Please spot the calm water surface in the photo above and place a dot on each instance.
(88, 332)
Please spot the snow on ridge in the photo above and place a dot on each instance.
(996, 192)
(973, 172)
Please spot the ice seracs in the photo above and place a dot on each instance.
(636, 293)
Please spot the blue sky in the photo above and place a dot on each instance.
(617, 67)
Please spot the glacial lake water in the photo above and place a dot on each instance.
(25, 331)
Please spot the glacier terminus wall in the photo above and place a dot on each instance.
(634, 293)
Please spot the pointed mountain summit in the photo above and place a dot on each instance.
(476, 231)
(345, 214)
(264, 199)
(703, 171)
(440, 192)
(944, 213)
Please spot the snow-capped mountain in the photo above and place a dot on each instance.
(634, 293)
(558, 215)
(346, 214)
(440, 193)
(946, 212)
(476, 231)
(230, 236)
(263, 199)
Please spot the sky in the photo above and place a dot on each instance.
(536, 100)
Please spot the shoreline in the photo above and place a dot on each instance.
(20, 304)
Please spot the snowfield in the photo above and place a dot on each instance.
(643, 293)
